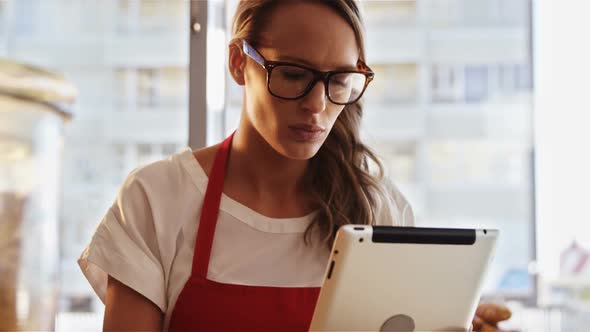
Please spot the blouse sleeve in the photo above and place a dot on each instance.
(395, 210)
(125, 246)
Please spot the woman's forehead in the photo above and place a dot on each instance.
(311, 32)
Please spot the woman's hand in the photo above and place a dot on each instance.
(488, 315)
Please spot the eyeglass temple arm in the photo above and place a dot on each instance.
(363, 66)
(251, 52)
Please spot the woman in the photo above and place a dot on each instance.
(176, 253)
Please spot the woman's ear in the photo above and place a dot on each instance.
(237, 62)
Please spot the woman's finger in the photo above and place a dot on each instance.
(481, 326)
(477, 323)
(492, 313)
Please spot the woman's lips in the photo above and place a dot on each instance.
(306, 132)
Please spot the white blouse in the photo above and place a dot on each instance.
(146, 239)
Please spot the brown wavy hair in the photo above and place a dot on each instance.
(338, 176)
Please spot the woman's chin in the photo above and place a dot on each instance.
(300, 151)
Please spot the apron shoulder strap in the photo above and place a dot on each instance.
(210, 211)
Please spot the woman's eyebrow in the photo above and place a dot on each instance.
(289, 58)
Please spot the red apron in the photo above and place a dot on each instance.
(206, 305)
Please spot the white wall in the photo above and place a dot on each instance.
(563, 127)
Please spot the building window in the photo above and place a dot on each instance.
(169, 149)
(476, 83)
(148, 81)
(150, 16)
(152, 88)
(27, 13)
(387, 13)
(172, 87)
(394, 84)
(506, 78)
(120, 162)
(446, 84)
(145, 154)
(3, 16)
(524, 77)
(400, 161)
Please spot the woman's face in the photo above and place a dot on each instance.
(308, 34)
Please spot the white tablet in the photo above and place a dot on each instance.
(382, 278)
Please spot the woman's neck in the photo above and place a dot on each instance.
(265, 172)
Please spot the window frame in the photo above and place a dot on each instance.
(197, 137)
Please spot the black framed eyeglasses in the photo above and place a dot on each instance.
(292, 81)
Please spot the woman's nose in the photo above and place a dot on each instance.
(315, 100)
